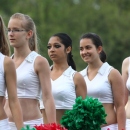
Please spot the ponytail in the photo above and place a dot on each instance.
(102, 56)
(71, 61)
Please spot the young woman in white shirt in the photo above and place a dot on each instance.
(103, 81)
(8, 82)
(67, 83)
(33, 72)
(126, 78)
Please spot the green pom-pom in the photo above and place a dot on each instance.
(27, 128)
(87, 113)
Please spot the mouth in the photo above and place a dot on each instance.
(52, 55)
(86, 56)
(11, 40)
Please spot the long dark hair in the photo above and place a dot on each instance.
(67, 41)
(97, 42)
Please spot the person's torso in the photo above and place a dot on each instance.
(99, 87)
(2, 76)
(28, 84)
(128, 80)
(127, 107)
(63, 89)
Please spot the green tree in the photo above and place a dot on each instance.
(109, 19)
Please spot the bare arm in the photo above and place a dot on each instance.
(81, 88)
(118, 90)
(10, 78)
(43, 71)
(125, 66)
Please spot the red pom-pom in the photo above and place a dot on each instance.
(52, 126)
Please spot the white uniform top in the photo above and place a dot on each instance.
(128, 80)
(28, 84)
(63, 90)
(2, 76)
(99, 87)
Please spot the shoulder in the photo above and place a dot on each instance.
(8, 64)
(80, 84)
(8, 61)
(125, 65)
(78, 77)
(126, 61)
(114, 75)
(114, 71)
(41, 63)
(40, 60)
(83, 72)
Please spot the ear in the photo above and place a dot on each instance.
(68, 49)
(99, 49)
(29, 34)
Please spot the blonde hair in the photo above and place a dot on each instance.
(28, 25)
(4, 43)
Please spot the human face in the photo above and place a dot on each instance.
(56, 50)
(16, 33)
(88, 51)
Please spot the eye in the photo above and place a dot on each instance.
(17, 30)
(48, 47)
(88, 47)
(80, 48)
(57, 46)
(8, 30)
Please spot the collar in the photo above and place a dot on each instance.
(101, 70)
(29, 57)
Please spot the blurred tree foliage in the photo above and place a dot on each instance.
(108, 18)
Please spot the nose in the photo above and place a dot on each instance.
(83, 51)
(10, 33)
(52, 48)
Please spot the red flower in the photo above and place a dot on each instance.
(52, 126)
